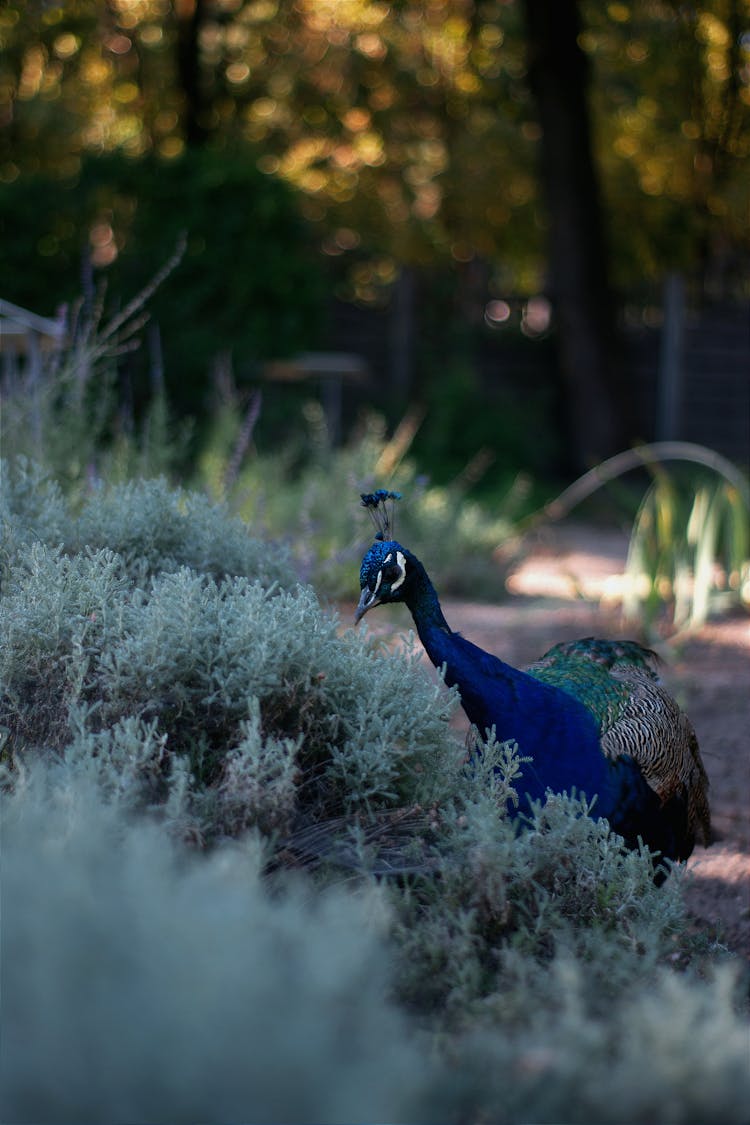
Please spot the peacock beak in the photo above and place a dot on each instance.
(367, 600)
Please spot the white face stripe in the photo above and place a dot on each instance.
(401, 563)
(402, 577)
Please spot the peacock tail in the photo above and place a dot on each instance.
(618, 682)
(584, 669)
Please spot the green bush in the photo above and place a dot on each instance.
(245, 684)
(153, 527)
(689, 552)
(670, 1049)
(161, 528)
(315, 507)
(199, 659)
(154, 985)
(150, 989)
(497, 417)
(200, 773)
(249, 277)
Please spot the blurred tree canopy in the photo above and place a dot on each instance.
(248, 283)
(411, 129)
(408, 124)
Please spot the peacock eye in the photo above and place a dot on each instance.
(391, 573)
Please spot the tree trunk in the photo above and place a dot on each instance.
(190, 15)
(579, 284)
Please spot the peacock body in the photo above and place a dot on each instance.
(590, 714)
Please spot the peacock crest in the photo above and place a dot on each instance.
(381, 506)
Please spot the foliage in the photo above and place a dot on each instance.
(408, 129)
(675, 122)
(689, 550)
(611, 1069)
(155, 985)
(223, 673)
(468, 941)
(152, 527)
(149, 707)
(159, 988)
(67, 421)
(247, 284)
(157, 528)
(295, 499)
(501, 427)
(65, 409)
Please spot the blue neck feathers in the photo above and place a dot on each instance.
(552, 727)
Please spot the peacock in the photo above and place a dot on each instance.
(591, 714)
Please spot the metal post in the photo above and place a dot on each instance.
(671, 357)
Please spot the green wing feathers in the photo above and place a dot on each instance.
(619, 683)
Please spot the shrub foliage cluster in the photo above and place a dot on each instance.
(269, 307)
(178, 717)
(186, 646)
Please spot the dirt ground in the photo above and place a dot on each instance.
(568, 587)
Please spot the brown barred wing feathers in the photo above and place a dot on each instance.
(618, 682)
(660, 739)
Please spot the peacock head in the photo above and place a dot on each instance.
(383, 576)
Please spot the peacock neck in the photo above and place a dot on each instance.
(494, 693)
(422, 600)
(557, 734)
